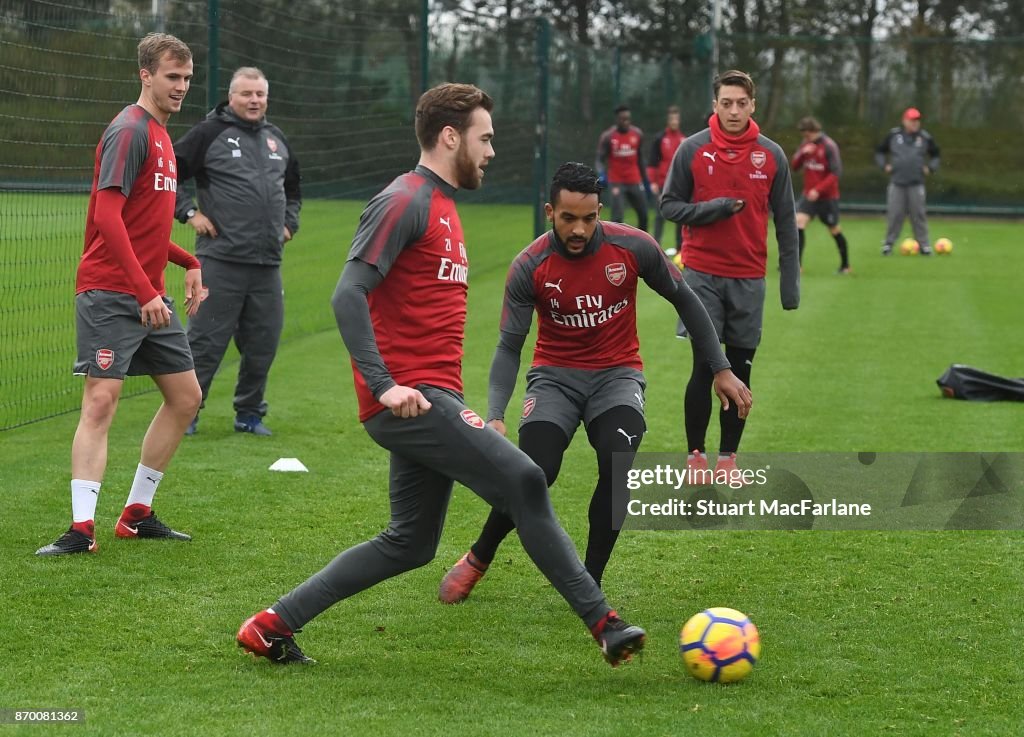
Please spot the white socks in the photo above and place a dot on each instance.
(83, 500)
(144, 486)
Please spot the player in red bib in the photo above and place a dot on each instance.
(581, 279)
(401, 309)
(620, 157)
(819, 158)
(663, 148)
(125, 322)
(724, 184)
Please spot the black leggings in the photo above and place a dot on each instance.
(699, 398)
(619, 430)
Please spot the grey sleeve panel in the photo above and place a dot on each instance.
(835, 161)
(504, 370)
(124, 150)
(352, 313)
(784, 213)
(640, 162)
(654, 267)
(392, 220)
(517, 308)
(706, 342)
(676, 204)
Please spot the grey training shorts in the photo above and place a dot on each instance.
(113, 342)
(565, 396)
(736, 306)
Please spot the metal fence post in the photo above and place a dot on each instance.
(617, 75)
(540, 146)
(424, 46)
(213, 54)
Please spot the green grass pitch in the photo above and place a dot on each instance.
(903, 633)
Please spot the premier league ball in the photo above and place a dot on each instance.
(909, 247)
(943, 245)
(719, 645)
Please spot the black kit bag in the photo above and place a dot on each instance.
(966, 382)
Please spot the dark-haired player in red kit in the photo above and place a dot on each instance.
(818, 156)
(724, 184)
(620, 156)
(581, 279)
(124, 321)
(401, 309)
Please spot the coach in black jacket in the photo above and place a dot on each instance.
(247, 183)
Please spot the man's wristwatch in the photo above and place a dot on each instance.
(190, 213)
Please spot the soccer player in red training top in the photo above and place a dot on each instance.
(663, 148)
(818, 156)
(722, 185)
(401, 308)
(581, 278)
(620, 157)
(124, 320)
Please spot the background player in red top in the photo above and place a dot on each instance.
(819, 157)
(620, 157)
(663, 148)
(581, 279)
(401, 309)
(124, 321)
(722, 185)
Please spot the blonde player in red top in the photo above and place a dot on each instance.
(125, 323)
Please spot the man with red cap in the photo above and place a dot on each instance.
(908, 155)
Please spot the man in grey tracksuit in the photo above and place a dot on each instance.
(909, 154)
(249, 197)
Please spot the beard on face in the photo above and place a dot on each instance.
(466, 171)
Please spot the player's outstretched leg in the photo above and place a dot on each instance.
(545, 444)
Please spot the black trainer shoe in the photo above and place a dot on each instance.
(149, 527)
(71, 541)
(886, 249)
(619, 641)
(259, 640)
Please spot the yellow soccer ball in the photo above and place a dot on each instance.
(909, 247)
(943, 245)
(719, 645)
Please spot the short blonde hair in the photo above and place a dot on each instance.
(155, 46)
